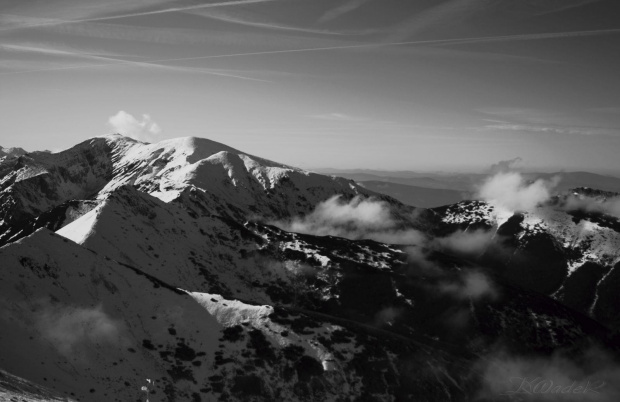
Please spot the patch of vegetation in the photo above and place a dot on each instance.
(184, 353)
(261, 346)
(308, 367)
(178, 373)
(248, 385)
(293, 352)
(233, 334)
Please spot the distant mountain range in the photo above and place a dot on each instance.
(457, 187)
(424, 197)
(219, 275)
(11, 152)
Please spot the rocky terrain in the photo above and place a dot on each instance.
(219, 275)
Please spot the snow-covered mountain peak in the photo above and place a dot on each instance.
(232, 182)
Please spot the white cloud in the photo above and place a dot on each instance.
(387, 316)
(505, 166)
(356, 219)
(610, 206)
(144, 129)
(509, 191)
(468, 243)
(472, 285)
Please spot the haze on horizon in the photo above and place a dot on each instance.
(377, 84)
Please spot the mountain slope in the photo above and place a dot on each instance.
(97, 330)
(163, 268)
(11, 152)
(237, 183)
(263, 264)
(15, 389)
(569, 254)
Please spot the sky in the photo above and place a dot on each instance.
(443, 85)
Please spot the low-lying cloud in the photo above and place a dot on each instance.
(387, 316)
(469, 243)
(144, 129)
(359, 218)
(69, 328)
(419, 262)
(609, 206)
(510, 191)
(471, 285)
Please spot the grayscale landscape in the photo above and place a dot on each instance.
(295, 200)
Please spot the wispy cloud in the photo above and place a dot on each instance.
(567, 130)
(563, 5)
(110, 61)
(134, 14)
(262, 39)
(70, 328)
(505, 166)
(472, 285)
(606, 110)
(255, 23)
(42, 48)
(339, 117)
(441, 14)
(541, 121)
(435, 16)
(341, 10)
(420, 42)
(536, 36)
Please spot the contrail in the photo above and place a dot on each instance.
(114, 61)
(153, 63)
(419, 42)
(138, 14)
(226, 18)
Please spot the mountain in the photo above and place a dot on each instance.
(11, 152)
(13, 388)
(558, 249)
(238, 184)
(468, 182)
(413, 195)
(169, 266)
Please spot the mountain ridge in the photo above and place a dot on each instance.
(166, 263)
